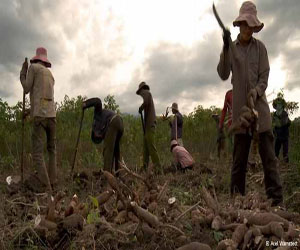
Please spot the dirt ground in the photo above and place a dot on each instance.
(145, 211)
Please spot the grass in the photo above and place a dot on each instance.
(199, 137)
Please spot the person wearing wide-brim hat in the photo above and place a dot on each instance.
(176, 125)
(281, 123)
(39, 82)
(150, 125)
(247, 59)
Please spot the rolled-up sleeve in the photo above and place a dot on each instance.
(263, 71)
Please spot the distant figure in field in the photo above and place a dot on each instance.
(39, 82)
(227, 110)
(183, 159)
(176, 125)
(281, 124)
(247, 59)
(150, 126)
(107, 126)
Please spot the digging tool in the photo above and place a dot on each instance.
(175, 127)
(143, 124)
(22, 139)
(77, 142)
(225, 30)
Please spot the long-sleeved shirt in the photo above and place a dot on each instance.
(39, 82)
(250, 69)
(182, 156)
(178, 118)
(281, 125)
(148, 107)
(102, 118)
(226, 108)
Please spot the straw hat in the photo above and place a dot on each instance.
(41, 55)
(174, 142)
(174, 106)
(248, 13)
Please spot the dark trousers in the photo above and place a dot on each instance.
(111, 150)
(285, 148)
(42, 126)
(241, 149)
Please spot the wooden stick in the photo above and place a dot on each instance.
(77, 142)
(162, 191)
(186, 211)
(123, 165)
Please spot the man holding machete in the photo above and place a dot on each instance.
(149, 127)
(247, 59)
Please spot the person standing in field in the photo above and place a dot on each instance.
(227, 110)
(149, 129)
(281, 123)
(176, 125)
(39, 82)
(107, 126)
(247, 59)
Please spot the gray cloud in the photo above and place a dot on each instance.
(176, 73)
(23, 28)
(280, 33)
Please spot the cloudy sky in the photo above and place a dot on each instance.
(101, 47)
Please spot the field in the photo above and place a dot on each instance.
(203, 210)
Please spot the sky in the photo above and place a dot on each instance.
(101, 47)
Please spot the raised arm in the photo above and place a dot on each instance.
(224, 65)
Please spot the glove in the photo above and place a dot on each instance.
(140, 110)
(226, 38)
(251, 98)
(246, 117)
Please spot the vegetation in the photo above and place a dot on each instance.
(94, 201)
(200, 135)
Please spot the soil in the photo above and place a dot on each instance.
(112, 226)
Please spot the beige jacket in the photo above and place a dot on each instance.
(250, 69)
(40, 83)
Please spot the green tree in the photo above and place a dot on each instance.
(290, 107)
(110, 103)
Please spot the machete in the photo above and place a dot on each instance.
(218, 18)
(225, 30)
